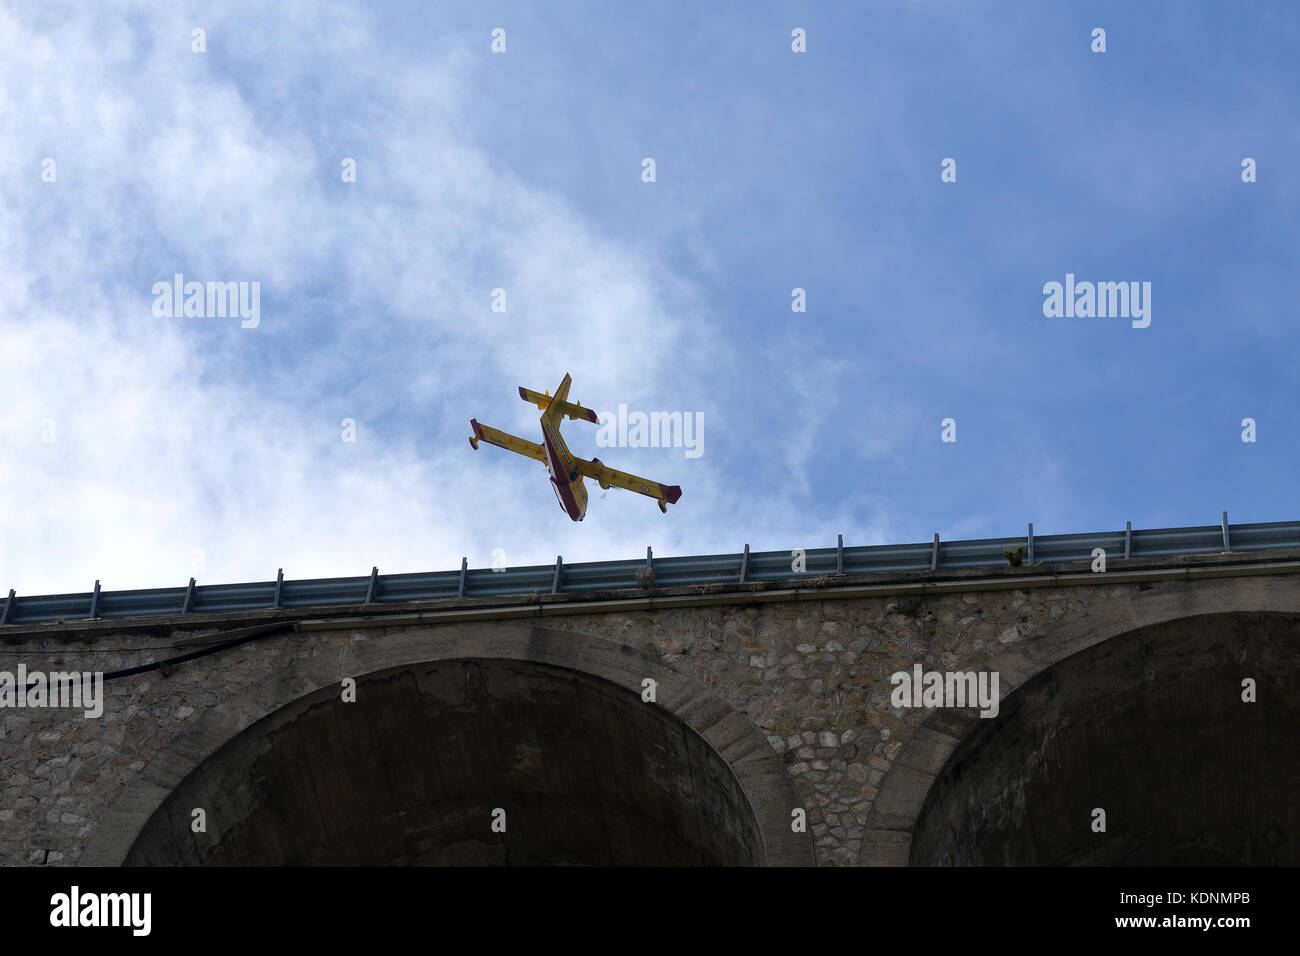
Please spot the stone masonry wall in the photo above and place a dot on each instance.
(811, 675)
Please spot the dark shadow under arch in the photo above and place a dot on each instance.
(412, 773)
(1149, 727)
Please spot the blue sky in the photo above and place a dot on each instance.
(192, 446)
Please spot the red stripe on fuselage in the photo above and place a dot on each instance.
(559, 462)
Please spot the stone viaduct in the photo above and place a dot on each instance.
(1120, 691)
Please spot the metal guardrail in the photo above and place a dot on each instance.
(668, 572)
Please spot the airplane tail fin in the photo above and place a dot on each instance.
(558, 404)
(562, 393)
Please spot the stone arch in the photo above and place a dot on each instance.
(906, 787)
(757, 770)
(1150, 731)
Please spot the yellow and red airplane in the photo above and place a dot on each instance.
(567, 471)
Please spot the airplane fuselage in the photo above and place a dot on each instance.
(567, 484)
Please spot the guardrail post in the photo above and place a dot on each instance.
(1031, 542)
(555, 579)
(9, 607)
(934, 553)
(1128, 538)
(374, 583)
(744, 564)
(279, 585)
(94, 602)
(1226, 545)
(839, 555)
(189, 598)
(464, 569)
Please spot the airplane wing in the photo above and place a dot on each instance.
(493, 436)
(605, 476)
(567, 409)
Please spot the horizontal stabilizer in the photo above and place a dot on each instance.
(569, 410)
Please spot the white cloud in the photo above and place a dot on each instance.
(183, 434)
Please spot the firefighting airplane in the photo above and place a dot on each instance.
(566, 470)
